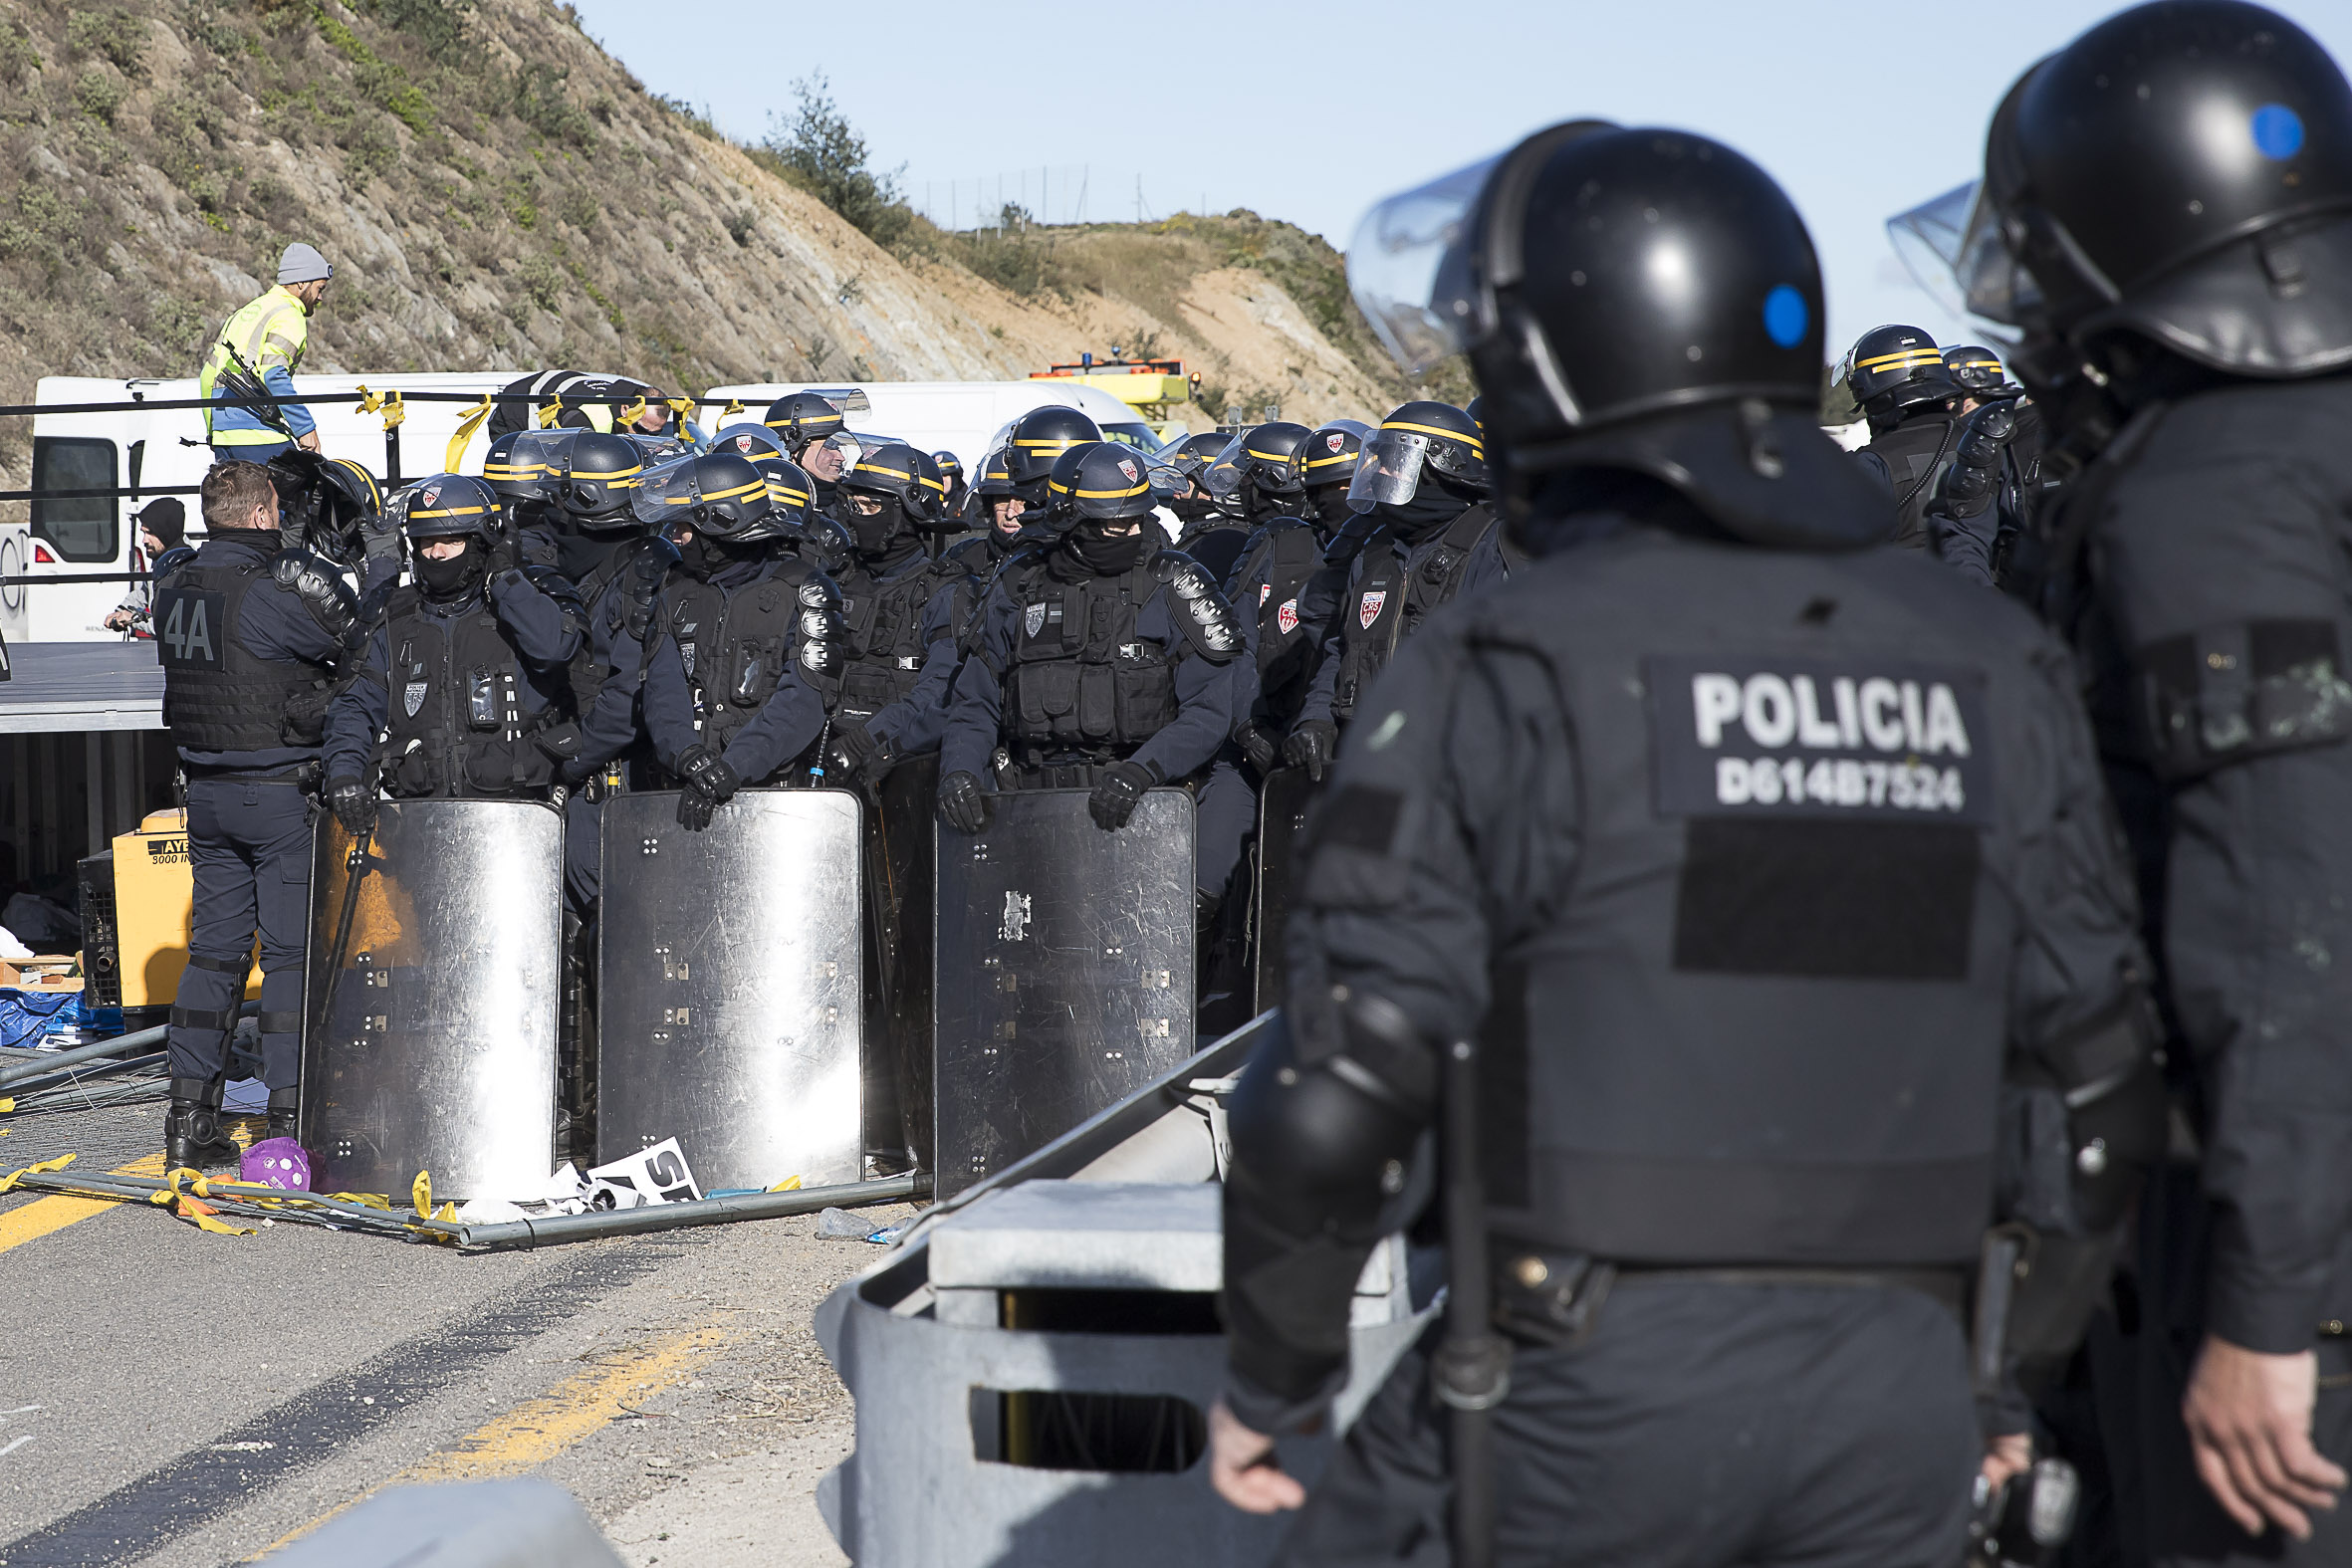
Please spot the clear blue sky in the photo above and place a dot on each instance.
(1311, 112)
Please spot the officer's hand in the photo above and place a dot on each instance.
(2250, 1428)
(354, 805)
(694, 810)
(505, 556)
(864, 756)
(2005, 1459)
(1311, 745)
(307, 441)
(1243, 1468)
(962, 805)
(706, 774)
(1260, 748)
(1118, 793)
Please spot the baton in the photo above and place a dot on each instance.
(1472, 1370)
(355, 871)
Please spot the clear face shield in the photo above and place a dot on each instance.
(1389, 472)
(1957, 248)
(831, 457)
(1408, 268)
(666, 498)
(1226, 473)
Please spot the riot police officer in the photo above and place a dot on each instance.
(813, 436)
(1178, 475)
(464, 692)
(994, 509)
(252, 635)
(891, 498)
(726, 702)
(1099, 662)
(1420, 485)
(1260, 475)
(1705, 874)
(1034, 440)
(951, 474)
(2184, 332)
(1897, 377)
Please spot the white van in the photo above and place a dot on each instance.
(165, 450)
(963, 417)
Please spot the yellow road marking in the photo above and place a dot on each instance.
(538, 1429)
(44, 1215)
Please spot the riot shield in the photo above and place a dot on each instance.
(730, 973)
(436, 1051)
(1282, 811)
(1063, 971)
(899, 886)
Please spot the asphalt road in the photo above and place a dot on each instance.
(168, 1396)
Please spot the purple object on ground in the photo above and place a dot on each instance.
(277, 1162)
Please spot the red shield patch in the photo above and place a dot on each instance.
(1369, 610)
(1286, 616)
(1127, 468)
(1337, 442)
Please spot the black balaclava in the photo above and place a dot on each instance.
(446, 581)
(1436, 500)
(703, 557)
(580, 548)
(1327, 505)
(1102, 554)
(884, 538)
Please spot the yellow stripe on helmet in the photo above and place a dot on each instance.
(1478, 448)
(876, 468)
(451, 512)
(1902, 361)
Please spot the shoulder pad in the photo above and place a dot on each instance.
(1185, 575)
(1208, 621)
(321, 590)
(1349, 542)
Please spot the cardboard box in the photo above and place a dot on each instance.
(43, 971)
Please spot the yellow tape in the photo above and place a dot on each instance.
(734, 407)
(549, 413)
(203, 1215)
(420, 1192)
(629, 415)
(475, 413)
(8, 1182)
(791, 1184)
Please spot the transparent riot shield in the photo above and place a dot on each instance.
(429, 1039)
(729, 976)
(1064, 971)
(1282, 812)
(899, 887)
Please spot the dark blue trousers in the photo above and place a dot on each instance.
(249, 847)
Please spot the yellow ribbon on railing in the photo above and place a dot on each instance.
(549, 413)
(683, 407)
(475, 413)
(629, 415)
(388, 404)
(734, 407)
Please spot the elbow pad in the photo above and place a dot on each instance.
(820, 629)
(1322, 1146)
(1970, 484)
(322, 592)
(1209, 622)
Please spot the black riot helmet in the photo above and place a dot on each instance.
(755, 442)
(1178, 476)
(721, 496)
(446, 505)
(1979, 371)
(1042, 435)
(1893, 370)
(1642, 300)
(1272, 458)
(1419, 439)
(790, 488)
(993, 484)
(798, 418)
(1099, 482)
(592, 479)
(2182, 171)
(517, 465)
(325, 503)
(903, 475)
(1335, 448)
(951, 474)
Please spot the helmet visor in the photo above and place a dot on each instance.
(1389, 472)
(1956, 249)
(666, 495)
(1408, 267)
(1227, 473)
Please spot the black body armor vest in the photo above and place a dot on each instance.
(1081, 683)
(1391, 598)
(218, 695)
(884, 655)
(1915, 453)
(735, 644)
(461, 724)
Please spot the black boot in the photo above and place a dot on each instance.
(282, 1121)
(192, 1133)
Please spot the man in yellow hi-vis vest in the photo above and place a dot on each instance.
(254, 355)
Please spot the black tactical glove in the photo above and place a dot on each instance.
(962, 805)
(505, 554)
(1118, 793)
(864, 756)
(710, 783)
(354, 805)
(1311, 745)
(1261, 750)
(1973, 482)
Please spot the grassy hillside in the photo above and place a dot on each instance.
(497, 192)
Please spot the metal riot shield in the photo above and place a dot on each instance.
(436, 1049)
(730, 979)
(899, 886)
(1282, 811)
(1064, 971)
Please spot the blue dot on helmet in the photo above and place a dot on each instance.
(1787, 316)
(2279, 132)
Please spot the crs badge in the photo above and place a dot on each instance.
(1334, 442)
(1369, 610)
(431, 496)
(1286, 616)
(1127, 466)
(1033, 618)
(743, 444)
(413, 697)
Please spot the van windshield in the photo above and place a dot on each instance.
(1133, 434)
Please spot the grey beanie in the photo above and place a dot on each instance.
(303, 263)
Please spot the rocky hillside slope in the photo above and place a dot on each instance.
(498, 192)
